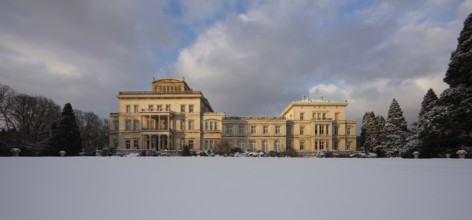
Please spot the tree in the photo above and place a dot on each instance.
(186, 151)
(369, 132)
(426, 131)
(413, 142)
(6, 97)
(32, 117)
(93, 130)
(457, 99)
(460, 71)
(67, 137)
(395, 130)
(379, 135)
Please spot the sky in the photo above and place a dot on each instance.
(249, 58)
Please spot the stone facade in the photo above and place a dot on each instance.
(172, 115)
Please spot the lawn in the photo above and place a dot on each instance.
(234, 188)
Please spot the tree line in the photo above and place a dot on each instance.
(37, 126)
(444, 123)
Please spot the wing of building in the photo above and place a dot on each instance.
(172, 116)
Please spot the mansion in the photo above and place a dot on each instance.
(172, 116)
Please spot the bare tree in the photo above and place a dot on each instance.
(94, 131)
(32, 117)
(6, 97)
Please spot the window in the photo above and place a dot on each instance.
(335, 145)
(127, 124)
(159, 108)
(289, 130)
(206, 125)
(335, 130)
(115, 125)
(277, 146)
(302, 145)
(136, 108)
(324, 116)
(128, 108)
(265, 146)
(210, 144)
(150, 107)
(277, 129)
(302, 115)
(253, 145)
(128, 144)
(216, 125)
(136, 144)
(182, 108)
(241, 129)
(289, 145)
(316, 129)
(182, 124)
(190, 144)
(348, 145)
(213, 144)
(321, 129)
(229, 129)
(115, 143)
(241, 144)
(167, 108)
(190, 108)
(321, 145)
(253, 129)
(348, 131)
(190, 124)
(302, 130)
(135, 124)
(265, 129)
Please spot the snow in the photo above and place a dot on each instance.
(234, 188)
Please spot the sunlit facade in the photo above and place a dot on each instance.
(172, 116)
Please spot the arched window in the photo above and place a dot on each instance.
(277, 146)
(241, 144)
(253, 145)
(265, 146)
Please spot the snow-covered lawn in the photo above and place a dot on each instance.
(85, 188)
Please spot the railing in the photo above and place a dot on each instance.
(154, 110)
(255, 118)
(152, 92)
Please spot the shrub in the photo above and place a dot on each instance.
(186, 151)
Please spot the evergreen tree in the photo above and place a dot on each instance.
(395, 131)
(460, 71)
(413, 142)
(379, 135)
(67, 135)
(186, 151)
(426, 131)
(457, 99)
(368, 132)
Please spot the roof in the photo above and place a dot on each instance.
(314, 102)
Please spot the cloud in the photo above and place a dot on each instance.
(257, 62)
(82, 52)
(248, 57)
